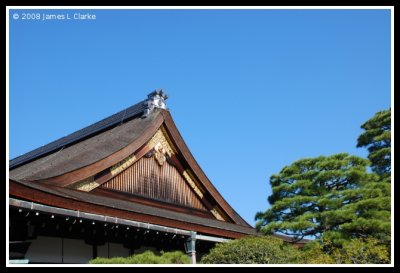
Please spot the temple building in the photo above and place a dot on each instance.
(118, 187)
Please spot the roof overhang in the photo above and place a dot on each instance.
(73, 200)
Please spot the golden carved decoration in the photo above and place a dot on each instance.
(217, 215)
(120, 166)
(192, 183)
(159, 154)
(162, 145)
(161, 138)
(87, 184)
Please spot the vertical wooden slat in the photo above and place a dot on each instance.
(148, 179)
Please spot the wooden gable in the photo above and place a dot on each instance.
(154, 172)
(146, 178)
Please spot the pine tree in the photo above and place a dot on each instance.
(377, 139)
(331, 196)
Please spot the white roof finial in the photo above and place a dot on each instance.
(155, 99)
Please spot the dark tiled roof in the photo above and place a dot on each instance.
(77, 136)
(139, 208)
(85, 152)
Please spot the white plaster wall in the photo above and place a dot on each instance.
(45, 250)
(76, 251)
(112, 250)
(102, 251)
(118, 250)
(48, 250)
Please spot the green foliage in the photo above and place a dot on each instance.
(252, 250)
(272, 250)
(355, 251)
(313, 253)
(336, 200)
(147, 257)
(334, 196)
(377, 138)
(176, 257)
(114, 260)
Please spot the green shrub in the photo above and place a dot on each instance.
(358, 251)
(355, 251)
(253, 250)
(147, 257)
(313, 253)
(176, 257)
(114, 260)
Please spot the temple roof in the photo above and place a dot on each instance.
(113, 162)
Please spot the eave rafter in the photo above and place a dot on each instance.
(84, 202)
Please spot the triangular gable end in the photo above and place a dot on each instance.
(155, 172)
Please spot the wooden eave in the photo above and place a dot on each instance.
(87, 202)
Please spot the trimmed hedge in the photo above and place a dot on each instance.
(147, 257)
(253, 250)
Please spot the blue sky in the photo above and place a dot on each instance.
(251, 91)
